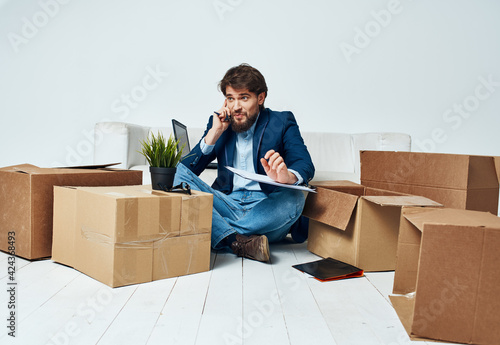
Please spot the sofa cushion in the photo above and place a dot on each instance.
(330, 151)
(118, 142)
(322, 175)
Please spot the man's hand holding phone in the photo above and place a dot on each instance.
(221, 121)
(223, 115)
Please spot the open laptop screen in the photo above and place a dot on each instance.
(180, 133)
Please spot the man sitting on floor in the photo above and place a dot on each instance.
(247, 215)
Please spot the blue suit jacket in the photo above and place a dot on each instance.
(275, 130)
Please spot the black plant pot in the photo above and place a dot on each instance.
(162, 177)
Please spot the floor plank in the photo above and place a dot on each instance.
(180, 317)
(38, 283)
(262, 320)
(382, 281)
(79, 313)
(355, 311)
(19, 263)
(138, 316)
(223, 306)
(304, 320)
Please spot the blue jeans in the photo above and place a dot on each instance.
(248, 212)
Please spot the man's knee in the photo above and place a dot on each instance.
(290, 202)
(183, 173)
(295, 198)
(181, 168)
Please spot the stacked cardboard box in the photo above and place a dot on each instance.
(357, 225)
(447, 279)
(27, 196)
(131, 234)
(456, 181)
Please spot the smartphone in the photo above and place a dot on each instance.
(226, 119)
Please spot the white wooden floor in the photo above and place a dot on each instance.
(238, 301)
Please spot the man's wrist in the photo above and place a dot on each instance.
(212, 136)
(296, 177)
(206, 149)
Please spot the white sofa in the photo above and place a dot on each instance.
(335, 155)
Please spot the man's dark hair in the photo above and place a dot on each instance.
(244, 76)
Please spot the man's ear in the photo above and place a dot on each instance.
(261, 98)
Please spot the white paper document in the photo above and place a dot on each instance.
(266, 179)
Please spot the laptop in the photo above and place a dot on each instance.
(181, 134)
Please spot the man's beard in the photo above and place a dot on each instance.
(243, 126)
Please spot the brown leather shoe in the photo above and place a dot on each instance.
(253, 247)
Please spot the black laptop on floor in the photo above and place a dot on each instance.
(181, 134)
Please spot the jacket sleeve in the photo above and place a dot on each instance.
(295, 152)
(196, 161)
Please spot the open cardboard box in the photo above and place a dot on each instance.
(357, 225)
(27, 196)
(131, 234)
(456, 181)
(447, 279)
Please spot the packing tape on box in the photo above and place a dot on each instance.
(196, 216)
(140, 222)
(179, 214)
(102, 239)
(147, 218)
(409, 295)
(94, 236)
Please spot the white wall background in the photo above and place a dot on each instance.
(428, 68)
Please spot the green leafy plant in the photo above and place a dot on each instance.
(161, 153)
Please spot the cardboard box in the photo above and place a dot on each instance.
(356, 224)
(448, 275)
(131, 234)
(27, 197)
(456, 181)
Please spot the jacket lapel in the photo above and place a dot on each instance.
(229, 148)
(258, 135)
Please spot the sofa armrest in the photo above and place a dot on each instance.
(119, 142)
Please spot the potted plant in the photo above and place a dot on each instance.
(163, 158)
